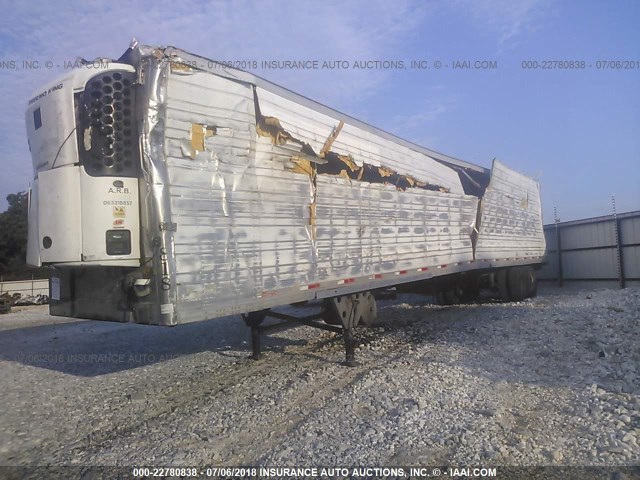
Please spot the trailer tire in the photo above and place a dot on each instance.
(519, 285)
(532, 282)
(502, 284)
(534, 289)
(470, 293)
(449, 296)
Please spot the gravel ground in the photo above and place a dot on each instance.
(549, 381)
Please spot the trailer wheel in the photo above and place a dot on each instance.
(470, 293)
(532, 282)
(449, 296)
(502, 284)
(519, 283)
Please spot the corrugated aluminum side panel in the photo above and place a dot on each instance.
(372, 228)
(365, 147)
(511, 217)
(213, 196)
(244, 226)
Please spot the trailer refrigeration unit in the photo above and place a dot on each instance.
(169, 188)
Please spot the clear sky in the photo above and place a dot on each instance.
(576, 130)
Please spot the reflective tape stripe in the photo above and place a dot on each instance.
(268, 294)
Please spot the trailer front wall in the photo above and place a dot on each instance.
(253, 232)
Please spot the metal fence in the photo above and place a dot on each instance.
(25, 288)
(598, 249)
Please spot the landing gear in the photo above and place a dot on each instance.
(253, 321)
(340, 314)
(362, 305)
(351, 311)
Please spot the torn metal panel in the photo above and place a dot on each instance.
(349, 152)
(331, 138)
(180, 68)
(343, 166)
(510, 224)
(282, 93)
(198, 134)
(270, 127)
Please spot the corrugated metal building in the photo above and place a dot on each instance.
(598, 249)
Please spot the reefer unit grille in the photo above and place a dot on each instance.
(107, 133)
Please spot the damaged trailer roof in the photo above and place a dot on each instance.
(136, 51)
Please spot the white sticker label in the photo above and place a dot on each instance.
(166, 308)
(55, 288)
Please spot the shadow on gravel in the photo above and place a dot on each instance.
(93, 348)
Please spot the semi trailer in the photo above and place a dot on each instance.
(169, 188)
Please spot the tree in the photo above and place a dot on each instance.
(13, 235)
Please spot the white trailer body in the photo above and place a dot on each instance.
(206, 191)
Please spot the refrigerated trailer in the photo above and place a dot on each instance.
(169, 188)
